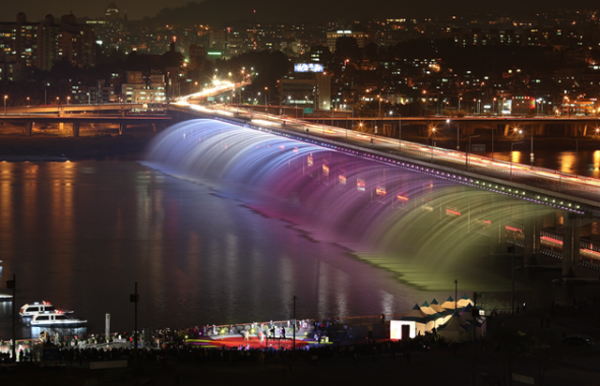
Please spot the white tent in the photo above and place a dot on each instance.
(450, 304)
(441, 311)
(438, 319)
(452, 331)
(464, 301)
(423, 321)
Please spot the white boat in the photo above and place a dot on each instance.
(31, 309)
(55, 319)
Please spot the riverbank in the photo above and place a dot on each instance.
(424, 362)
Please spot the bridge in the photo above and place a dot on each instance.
(576, 198)
(75, 115)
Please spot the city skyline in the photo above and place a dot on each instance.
(271, 10)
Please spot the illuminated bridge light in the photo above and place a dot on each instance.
(452, 212)
(401, 198)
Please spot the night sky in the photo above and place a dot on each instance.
(305, 10)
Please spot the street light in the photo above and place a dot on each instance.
(266, 90)
(5, 98)
(457, 134)
(531, 156)
(399, 129)
(68, 99)
(455, 294)
(294, 326)
(432, 142)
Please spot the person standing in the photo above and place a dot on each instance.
(283, 332)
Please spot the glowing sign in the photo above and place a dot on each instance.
(325, 170)
(342, 179)
(308, 67)
(361, 184)
(401, 198)
(380, 191)
(309, 161)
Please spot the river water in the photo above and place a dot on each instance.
(80, 234)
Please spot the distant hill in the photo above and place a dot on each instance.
(220, 12)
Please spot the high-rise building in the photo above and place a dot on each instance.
(19, 41)
(67, 40)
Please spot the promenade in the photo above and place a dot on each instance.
(423, 361)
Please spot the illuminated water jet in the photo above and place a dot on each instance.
(426, 230)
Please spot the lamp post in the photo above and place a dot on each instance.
(266, 90)
(468, 151)
(432, 142)
(5, 98)
(531, 155)
(455, 294)
(457, 134)
(12, 284)
(135, 298)
(27, 104)
(399, 130)
(294, 326)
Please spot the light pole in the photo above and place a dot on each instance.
(457, 134)
(12, 284)
(531, 156)
(294, 326)
(455, 294)
(68, 99)
(28, 105)
(135, 298)
(399, 129)
(266, 90)
(432, 142)
(468, 151)
(5, 98)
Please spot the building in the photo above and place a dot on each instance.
(19, 42)
(140, 89)
(362, 38)
(66, 40)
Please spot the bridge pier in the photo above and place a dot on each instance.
(571, 238)
(497, 242)
(122, 127)
(76, 126)
(531, 233)
(28, 128)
